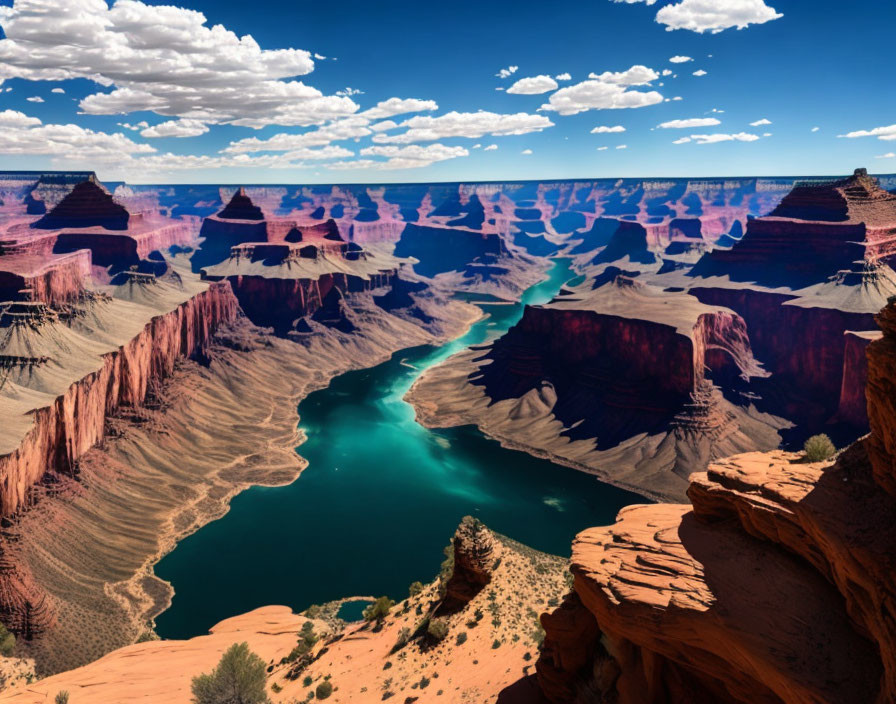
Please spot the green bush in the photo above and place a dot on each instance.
(61, 697)
(461, 637)
(437, 630)
(404, 635)
(379, 609)
(415, 589)
(818, 448)
(7, 642)
(324, 690)
(239, 678)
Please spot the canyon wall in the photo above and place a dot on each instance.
(775, 585)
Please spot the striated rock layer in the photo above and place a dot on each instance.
(775, 585)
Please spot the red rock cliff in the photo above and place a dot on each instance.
(776, 584)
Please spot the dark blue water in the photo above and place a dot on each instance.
(379, 500)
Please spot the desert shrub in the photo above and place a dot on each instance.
(379, 609)
(307, 681)
(324, 690)
(239, 678)
(437, 630)
(61, 697)
(313, 611)
(496, 644)
(818, 448)
(461, 637)
(7, 641)
(415, 589)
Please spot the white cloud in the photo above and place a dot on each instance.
(58, 90)
(677, 98)
(176, 128)
(699, 72)
(637, 75)
(22, 134)
(534, 85)
(473, 125)
(563, 77)
(319, 57)
(815, 129)
(163, 59)
(680, 59)
(383, 126)
(690, 123)
(491, 148)
(408, 157)
(349, 128)
(602, 149)
(606, 91)
(766, 134)
(398, 106)
(477, 146)
(761, 122)
(622, 146)
(720, 137)
(667, 72)
(35, 99)
(632, 2)
(604, 129)
(348, 92)
(526, 152)
(715, 15)
(507, 72)
(888, 155)
(682, 140)
(887, 133)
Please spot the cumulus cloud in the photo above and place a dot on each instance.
(699, 72)
(349, 128)
(533, 85)
(526, 152)
(58, 90)
(887, 133)
(715, 15)
(761, 122)
(398, 106)
(35, 99)
(384, 126)
(491, 148)
(680, 59)
(718, 137)
(507, 72)
(22, 134)
(163, 59)
(605, 129)
(597, 95)
(689, 123)
(408, 157)
(563, 77)
(176, 128)
(637, 75)
(473, 125)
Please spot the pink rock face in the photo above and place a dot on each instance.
(75, 421)
(853, 408)
(53, 279)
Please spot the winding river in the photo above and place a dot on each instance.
(380, 498)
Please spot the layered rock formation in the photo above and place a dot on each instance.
(473, 555)
(774, 585)
(88, 204)
(625, 375)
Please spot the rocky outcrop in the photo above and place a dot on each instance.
(88, 204)
(53, 279)
(775, 585)
(473, 556)
(444, 249)
(241, 207)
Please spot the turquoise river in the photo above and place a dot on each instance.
(380, 498)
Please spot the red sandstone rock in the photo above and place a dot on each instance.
(473, 564)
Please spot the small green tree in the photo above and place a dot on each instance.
(7, 642)
(61, 697)
(324, 690)
(239, 678)
(379, 609)
(415, 589)
(819, 448)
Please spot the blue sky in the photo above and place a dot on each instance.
(150, 92)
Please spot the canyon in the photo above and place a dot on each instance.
(155, 342)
